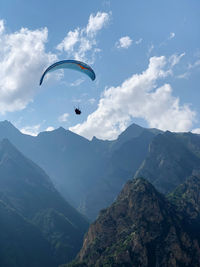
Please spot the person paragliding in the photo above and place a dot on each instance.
(77, 111)
(71, 64)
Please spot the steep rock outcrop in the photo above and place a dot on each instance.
(141, 228)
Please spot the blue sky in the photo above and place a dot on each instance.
(146, 55)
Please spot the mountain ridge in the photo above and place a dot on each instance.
(27, 190)
(171, 158)
(82, 170)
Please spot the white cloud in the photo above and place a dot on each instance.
(196, 131)
(22, 59)
(184, 75)
(31, 130)
(96, 23)
(63, 117)
(138, 97)
(194, 65)
(2, 27)
(172, 35)
(50, 128)
(69, 41)
(174, 59)
(138, 41)
(81, 43)
(124, 42)
(150, 49)
(77, 82)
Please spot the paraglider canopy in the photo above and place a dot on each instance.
(70, 64)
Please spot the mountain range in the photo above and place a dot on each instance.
(90, 174)
(45, 179)
(81, 170)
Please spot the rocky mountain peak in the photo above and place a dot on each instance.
(141, 228)
(8, 129)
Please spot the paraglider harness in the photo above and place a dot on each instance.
(77, 111)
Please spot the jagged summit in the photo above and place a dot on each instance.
(57, 130)
(7, 128)
(6, 123)
(61, 132)
(133, 130)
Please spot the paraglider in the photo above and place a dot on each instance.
(70, 64)
(77, 111)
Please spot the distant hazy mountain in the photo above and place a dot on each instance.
(27, 190)
(89, 174)
(172, 157)
(143, 228)
(123, 157)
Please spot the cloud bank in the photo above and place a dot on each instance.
(81, 43)
(138, 97)
(22, 59)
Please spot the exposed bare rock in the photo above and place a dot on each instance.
(141, 228)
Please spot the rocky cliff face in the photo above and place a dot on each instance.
(141, 228)
(186, 197)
